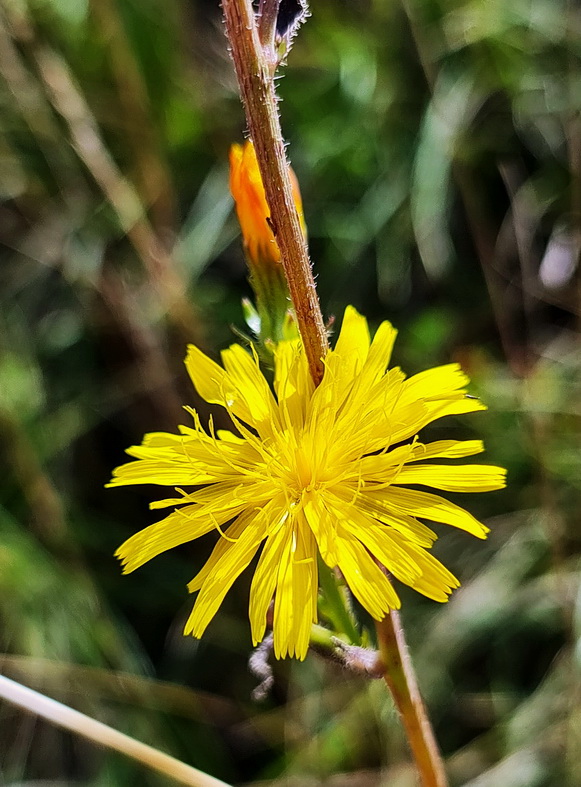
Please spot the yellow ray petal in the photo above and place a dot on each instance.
(323, 527)
(214, 385)
(229, 437)
(342, 365)
(352, 344)
(365, 579)
(162, 440)
(293, 383)
(376, 506)
(405, 560)
(264, 580)
(255, 516)
(414, 417)
(183, 525)
(296, 592)
(362, 397)
(446, 449)
(379, 354)
(228, 560)
(222, 495)
(385, 466)
(432, 507)
(435, 581)
(244, 372)
(383, 545)
(171, 471)
(455, 478)
(435, 383)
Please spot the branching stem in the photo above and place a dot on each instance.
(267, 15)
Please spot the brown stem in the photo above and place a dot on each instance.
(255, 78)
(401, 679)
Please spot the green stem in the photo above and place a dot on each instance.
(338, 611)
(271, 291)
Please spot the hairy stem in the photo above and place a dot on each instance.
(253, 65)
(402, 682)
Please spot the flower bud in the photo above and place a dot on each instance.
(262, 253)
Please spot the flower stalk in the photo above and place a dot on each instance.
(253, 57)
(398, 673)
(253, 65)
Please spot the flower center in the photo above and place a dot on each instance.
(304, 469)
(300, 466)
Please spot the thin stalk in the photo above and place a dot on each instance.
(253, 63)
(402, 682)
(101, 734)
(253, 66)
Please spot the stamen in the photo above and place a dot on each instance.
(219, 529)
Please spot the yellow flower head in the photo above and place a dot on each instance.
(251, 208)
(330, 471)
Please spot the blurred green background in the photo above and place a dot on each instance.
(438, 147)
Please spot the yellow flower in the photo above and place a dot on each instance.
(331, 470)
(251, 208)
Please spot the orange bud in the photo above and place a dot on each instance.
(248, 192)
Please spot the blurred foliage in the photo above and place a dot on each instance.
(438, 146)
